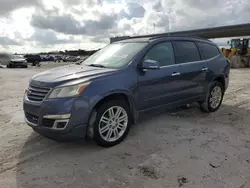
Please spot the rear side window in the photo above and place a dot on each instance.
(207, 50)
(163, 53)
(186, 51)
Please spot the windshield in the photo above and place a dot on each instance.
(236, 43)
(17, 57)
(116, 55)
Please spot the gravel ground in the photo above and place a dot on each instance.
(184, 148)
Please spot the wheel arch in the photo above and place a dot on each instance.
(114, 95)
(221, 79)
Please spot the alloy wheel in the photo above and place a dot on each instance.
(215, 97)
(113, 123)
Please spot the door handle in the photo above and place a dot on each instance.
(204, 69)
(176, 74)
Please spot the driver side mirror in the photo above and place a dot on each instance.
(228, 42)
(150, 64)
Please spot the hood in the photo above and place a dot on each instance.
(56, 76)
(19, 60)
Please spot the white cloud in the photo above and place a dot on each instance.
(43, 25)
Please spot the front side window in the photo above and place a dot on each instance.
(163, 53)
(116, 55)
(186, 51)
(235, 43)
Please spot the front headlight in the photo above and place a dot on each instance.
(68, 91)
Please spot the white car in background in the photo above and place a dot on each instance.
(17, 61)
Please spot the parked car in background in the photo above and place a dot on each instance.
(71, 58)
(17, 61)
(43, 57)
(64, 58)
(50, 58)
(47, 58)
(58, 58)
(33, 58)
(104, 95)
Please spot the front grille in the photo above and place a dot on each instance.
(31, 118)
(37, 93)
(17, 62)
(48, 122)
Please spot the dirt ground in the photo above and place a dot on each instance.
(185, 148)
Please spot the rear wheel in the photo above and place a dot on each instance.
(112, 123)
(214, 98)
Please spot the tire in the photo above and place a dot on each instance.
(125, 113)
(208, 106)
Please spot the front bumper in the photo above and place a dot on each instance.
(57, 118)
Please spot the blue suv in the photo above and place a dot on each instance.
(103, 96)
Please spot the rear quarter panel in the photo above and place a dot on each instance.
(218, 66)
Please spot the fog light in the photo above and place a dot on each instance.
(58, 116)
(61, 125)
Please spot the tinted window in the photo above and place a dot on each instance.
(163, 53)
(186, 51)
(207, 50)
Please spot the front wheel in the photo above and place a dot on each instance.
(214, 98)
(112, 123)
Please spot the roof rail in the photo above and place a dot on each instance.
(169, 35)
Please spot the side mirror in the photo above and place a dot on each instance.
(228, 42)
(150, 64)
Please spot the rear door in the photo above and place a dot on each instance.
(193, 70)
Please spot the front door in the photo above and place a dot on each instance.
(158, 87)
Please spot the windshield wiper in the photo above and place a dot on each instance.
(97, 65)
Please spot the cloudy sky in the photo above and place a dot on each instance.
(45, 25)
